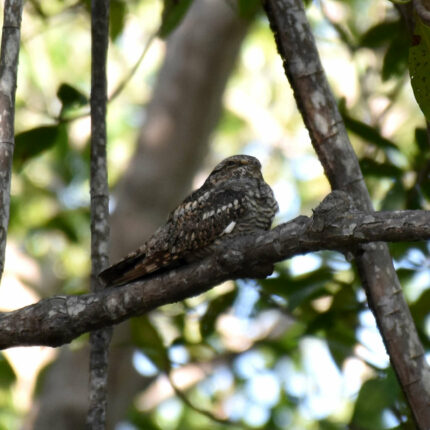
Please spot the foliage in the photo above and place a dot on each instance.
(419, 55)
(268, 343)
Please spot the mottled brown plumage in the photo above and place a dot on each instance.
(234, 199)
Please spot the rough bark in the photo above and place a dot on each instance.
(11, 34)
(316, 102)
(58, 320)
(99, 339)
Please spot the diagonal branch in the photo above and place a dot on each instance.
(334, 225)
(8, 70)
(296, 46)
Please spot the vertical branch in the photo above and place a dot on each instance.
(296, 45)
(99, 340)
(8, 71)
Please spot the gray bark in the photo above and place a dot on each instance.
(11, 34)
(99, 339)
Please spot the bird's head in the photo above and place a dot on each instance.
(236, 166)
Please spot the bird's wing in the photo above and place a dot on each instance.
(196, 223)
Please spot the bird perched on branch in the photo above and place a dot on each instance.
(234, 199)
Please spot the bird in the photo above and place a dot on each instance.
(233, 200)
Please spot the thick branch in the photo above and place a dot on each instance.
(334, 226)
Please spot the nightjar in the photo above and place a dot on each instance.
(233, 200)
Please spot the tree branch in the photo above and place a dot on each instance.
(99, 339)
(335, 225)
(315, 100)
(8, 71)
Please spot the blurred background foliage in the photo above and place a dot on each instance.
(299, 350)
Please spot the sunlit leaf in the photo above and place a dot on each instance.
(419, 66)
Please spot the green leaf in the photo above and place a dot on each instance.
(31, 143)
(400, 250)
(380, 34)
(419, 66)
(371, 167)
(425, 189)
(68, 223)
(396, 58)
(147, 338)
(71, 97)
(299, 289)
(230, 123)
(173, 13)
(375, 395)
(395, 197)
(248, 8)
(405, 276)
(215, 308)
(368, 133)
(341, 336)
(420, 309)
(141, 421)
(118, 9)
(7, 375)
(422, 141)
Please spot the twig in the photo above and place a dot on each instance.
(133, 70)
(99, 340)
(315, 100)
(190, 404)
(117, 91)
(8, 71)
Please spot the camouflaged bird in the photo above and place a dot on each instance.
(234, 199)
